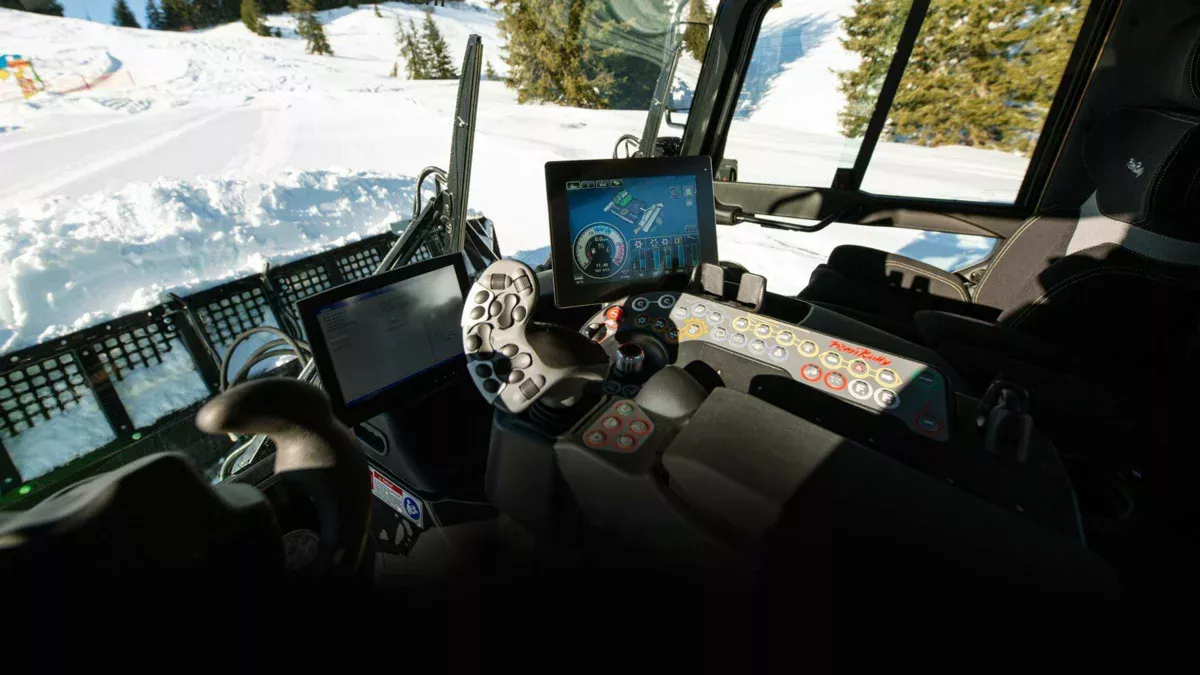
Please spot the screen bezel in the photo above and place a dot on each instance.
(409, 390)
(566, 293)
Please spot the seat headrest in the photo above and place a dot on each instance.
(1178, 76)
(1146, 167)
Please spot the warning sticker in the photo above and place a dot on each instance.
(396, 497)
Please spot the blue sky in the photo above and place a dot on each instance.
(101, 10)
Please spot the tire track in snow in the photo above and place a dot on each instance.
(58, 182)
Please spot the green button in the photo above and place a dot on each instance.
(625, 409)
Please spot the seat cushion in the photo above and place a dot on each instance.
(897, 271)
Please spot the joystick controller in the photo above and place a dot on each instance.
(515, 361)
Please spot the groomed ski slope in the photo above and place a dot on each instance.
(189, 159)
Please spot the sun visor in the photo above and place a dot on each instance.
(1145, 164)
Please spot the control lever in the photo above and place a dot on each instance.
(314, 454)
(1005, 420)
(514, 361)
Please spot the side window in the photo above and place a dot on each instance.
(964, 121)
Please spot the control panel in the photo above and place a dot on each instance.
(911, 391)
(624, 427)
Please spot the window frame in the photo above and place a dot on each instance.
(734, 35)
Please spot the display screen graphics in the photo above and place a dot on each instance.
(631, 229)
(380, 338)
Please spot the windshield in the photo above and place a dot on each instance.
(154, 155)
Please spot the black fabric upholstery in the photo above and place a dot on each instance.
(1146, 166)
(1107, 298)
(868, 264)
(1039, 242)
(1179, 82)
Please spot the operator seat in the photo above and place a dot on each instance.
(1131, 253)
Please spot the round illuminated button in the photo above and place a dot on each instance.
(693, 329)
(887, 398)
(625, 408)
(672, 334)
(763, 330)
(778, 353)
(596, 438)
(640, 304)
(831, 359)
(738, 339)
(929, 424)
(610, 387)
(699, 309)
(719, 333)
(927, 379)
(660, 324)
(741, 323)
(611, 422)
(614, 313)
(861, 390)
(642, 321)
(808, 348)
(811, 372)
(716, 317)
(835, 380)
(887, 377)
(666, 301)
(639, 427)
(758, 346)
(680, 313)
(625, 442)
(859, 368)
(785, 338)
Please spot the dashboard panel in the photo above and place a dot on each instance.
(862, 375)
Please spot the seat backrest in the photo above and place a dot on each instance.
(1143, 163)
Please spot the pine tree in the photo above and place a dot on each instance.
(177, 14)
(206, 13)
(252, 19)
(395, 69)
(695, 37)
(489, 72)
(123, 16)
(309, 28)
(553, 54)
(377, 14)
(441, 66)
(154, 15)
(412, 50)
(981, 74)
(51, 8)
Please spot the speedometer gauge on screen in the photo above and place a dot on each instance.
(631, 224)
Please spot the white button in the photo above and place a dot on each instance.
(785, 338)
(720, 333)
(861, 390)
(763, 330)
(808, 348)
(640, 304)
(611, 422)
(886, 377)
(699, 310)
(625, 442)
(887, 398)
(638, 427)
(832, 360)
(666, 301)
(738, 339)
(779, 353)
(693, 329)
(680, 313)
(758, 346)
(741, 323)
(716, 317)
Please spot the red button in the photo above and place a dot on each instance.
(614, 313)
(835, 380)
(811, 372)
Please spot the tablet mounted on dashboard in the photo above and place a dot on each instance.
(386, 341)
(624, 226)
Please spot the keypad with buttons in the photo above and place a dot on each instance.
(624, 427)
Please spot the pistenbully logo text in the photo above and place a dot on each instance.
(1136, 167)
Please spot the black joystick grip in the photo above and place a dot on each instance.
(513, 360)
(314, 453)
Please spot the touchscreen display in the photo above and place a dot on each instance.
(382, 337)
(631, 229)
